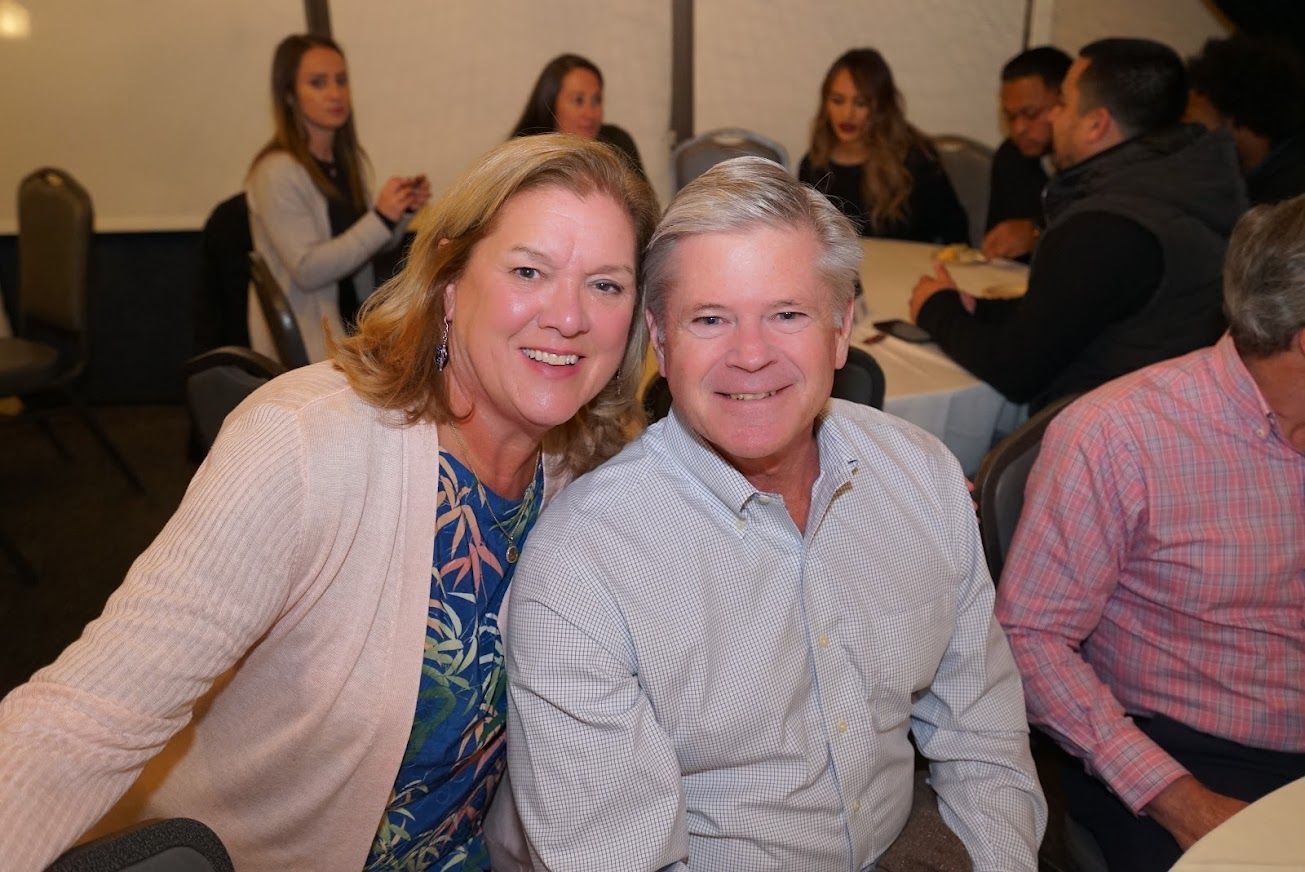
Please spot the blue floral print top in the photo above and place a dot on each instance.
(456, 755)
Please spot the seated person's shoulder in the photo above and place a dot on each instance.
(313, 406)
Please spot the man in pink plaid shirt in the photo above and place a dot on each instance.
(1154, 597)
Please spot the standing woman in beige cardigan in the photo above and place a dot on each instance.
(309, 210)
(308, 657)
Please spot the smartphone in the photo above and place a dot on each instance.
(904, 330)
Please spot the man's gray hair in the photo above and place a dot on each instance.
(742, 194)
(1264, 278)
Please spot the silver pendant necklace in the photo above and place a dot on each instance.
(523, 510)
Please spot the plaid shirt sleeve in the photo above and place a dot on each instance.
(1084, 507)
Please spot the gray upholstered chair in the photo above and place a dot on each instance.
(999, 483)
(968, 165)
(696, 155)
(276, 310)
(48, 355)
(217, 381)
(171, 845)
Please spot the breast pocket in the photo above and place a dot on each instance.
(906, 648)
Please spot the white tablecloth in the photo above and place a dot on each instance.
(1266, 835)
(923, 385)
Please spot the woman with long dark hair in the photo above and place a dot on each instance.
(310, 213)
(568, 98)
(875, 165)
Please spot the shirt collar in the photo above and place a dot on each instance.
(837, 462)
(1237, 386)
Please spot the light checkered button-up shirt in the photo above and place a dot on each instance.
(1159, 569)
(697, 685)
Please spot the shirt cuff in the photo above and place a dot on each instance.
(1135, 767)
(389, 225)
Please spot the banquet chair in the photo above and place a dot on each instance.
(222, 308)
(170, 845)
(217, 381)
(15, 558)
(276, 310)
(861, 380)
(696, 155)
(968, 165)
(999, 483)
(47, 357)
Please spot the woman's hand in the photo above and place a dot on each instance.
(395, 197)
(420, 192)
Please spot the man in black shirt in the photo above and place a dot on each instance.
(1128, 272)
(1030, 86)
(1255, 87)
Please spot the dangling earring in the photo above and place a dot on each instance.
(442, 351)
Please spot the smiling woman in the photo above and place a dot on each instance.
(872, 163)
(568, 98)
(321, 615)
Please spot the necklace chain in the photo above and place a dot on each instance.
(522, 513)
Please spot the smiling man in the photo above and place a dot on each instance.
(722, 639)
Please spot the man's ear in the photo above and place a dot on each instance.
(1101, 125)
(843, 337)
(656, 339)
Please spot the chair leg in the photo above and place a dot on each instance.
(26, 574)
(88, 418)
(43, 425)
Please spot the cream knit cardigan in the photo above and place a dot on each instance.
(291, 228)
(295, 575)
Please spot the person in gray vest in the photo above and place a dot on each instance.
(1138, 217)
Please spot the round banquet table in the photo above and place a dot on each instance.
(923, 385)
(1266, 836)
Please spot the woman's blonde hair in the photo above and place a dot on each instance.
(390, 361)
(885, 182)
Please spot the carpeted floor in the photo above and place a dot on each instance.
(78, 522)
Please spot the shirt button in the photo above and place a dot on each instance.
(740, 522)
(841, 726)
(823, 641)
(763, 499)
(856, 807)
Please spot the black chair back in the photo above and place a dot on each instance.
(172, 845)
(861, 380)
(217, 381)
(55, 220)
(999, 483)
(222, 310)
(276, 311)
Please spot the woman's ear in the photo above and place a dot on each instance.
(450, 291)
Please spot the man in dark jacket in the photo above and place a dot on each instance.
(1128, 271)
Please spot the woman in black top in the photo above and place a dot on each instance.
(568, 98)
(872, 163)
